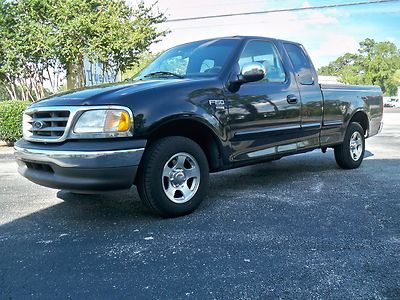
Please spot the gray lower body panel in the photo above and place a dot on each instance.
(78, 170)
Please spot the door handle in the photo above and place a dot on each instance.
(292, 99)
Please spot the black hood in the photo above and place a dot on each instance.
(109, 94)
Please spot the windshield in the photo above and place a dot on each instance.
(205, 58)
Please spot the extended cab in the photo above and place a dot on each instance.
(200, 107)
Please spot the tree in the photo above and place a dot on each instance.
(144, 60)
(3, 93)
(396, 79)
(25, 48)
(375, 63)
(42, 39)
(108, 31)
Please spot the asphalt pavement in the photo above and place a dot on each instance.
(297, 228)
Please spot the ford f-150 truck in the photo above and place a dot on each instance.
(200, 107)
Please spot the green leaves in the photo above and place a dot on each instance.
(41, 37)
(144, 60)
(396, 77)
(375, 63)
(107, 31)
(11, 120)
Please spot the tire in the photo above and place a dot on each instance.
(350, 154)
(173, 176)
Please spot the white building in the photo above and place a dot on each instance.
(328, 79)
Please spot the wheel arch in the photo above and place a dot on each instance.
(361, 118)
(195, 128)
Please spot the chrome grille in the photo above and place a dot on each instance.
(45, 125)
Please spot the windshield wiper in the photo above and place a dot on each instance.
(163, 73)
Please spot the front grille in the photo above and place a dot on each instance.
(45, 125)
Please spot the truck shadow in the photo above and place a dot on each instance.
(117, 204)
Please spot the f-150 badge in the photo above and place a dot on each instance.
(219, 104)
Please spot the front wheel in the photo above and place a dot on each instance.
(173, 176)
(350, 154)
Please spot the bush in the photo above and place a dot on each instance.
(11, 120)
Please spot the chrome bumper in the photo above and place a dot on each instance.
(88, 171)
(81, 159)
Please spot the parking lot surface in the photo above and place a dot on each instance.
(297, 228)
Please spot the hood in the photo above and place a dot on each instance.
(110, 94)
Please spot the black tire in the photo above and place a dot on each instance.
(151, 186)
(343, 156)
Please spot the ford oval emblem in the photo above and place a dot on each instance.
(39, 125)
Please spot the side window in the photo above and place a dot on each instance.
(301, 64)
(207, 65)
(264, 53)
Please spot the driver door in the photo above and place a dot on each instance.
(264, 115)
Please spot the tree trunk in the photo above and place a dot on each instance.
(102, 72)
(11, 88)
(10, 92)
(41, 90)
(14, 90)
(28, 86)
(75, 75)
(20, 87)
(52, 84)
(34, 85)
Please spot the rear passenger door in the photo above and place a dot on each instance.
(263, 121)
(310, 93)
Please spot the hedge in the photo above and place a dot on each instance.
(11, 120)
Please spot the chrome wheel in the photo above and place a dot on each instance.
(181, 177)
(356, 146)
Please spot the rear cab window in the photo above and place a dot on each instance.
(301, 64)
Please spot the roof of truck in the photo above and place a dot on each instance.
(246, 37)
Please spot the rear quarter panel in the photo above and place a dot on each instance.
(342, 102)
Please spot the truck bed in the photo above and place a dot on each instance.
(340, 99)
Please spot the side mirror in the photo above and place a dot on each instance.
(252, 72)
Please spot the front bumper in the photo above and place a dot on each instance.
(80, 166)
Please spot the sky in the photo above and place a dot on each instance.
(326, 33)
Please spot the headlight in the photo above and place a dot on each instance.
(103, 121)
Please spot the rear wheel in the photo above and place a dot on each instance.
(173, 176)
(350, 154)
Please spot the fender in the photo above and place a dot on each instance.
(215, 130)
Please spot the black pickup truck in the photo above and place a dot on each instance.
(200, 107)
